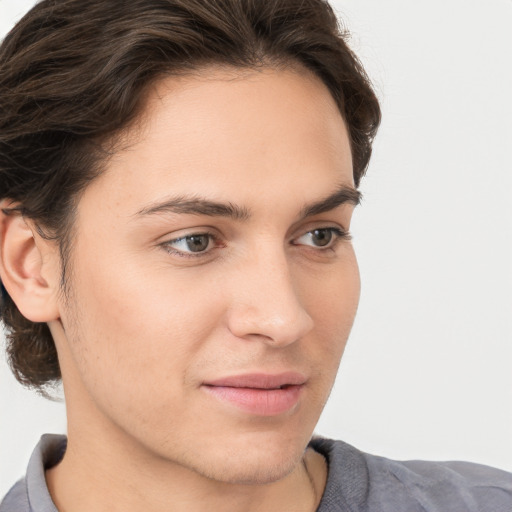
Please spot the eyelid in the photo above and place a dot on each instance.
(167, 245)
(339, 234)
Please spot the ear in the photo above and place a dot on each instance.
(29, 267)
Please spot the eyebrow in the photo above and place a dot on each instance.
(197, 206)
(344, 195)
(193, 205)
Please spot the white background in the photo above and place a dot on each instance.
(428, 370)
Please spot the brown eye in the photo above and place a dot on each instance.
(197, 243)
(321, 237)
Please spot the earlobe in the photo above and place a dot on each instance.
(27, 269)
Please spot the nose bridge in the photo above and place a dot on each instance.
(265, 303)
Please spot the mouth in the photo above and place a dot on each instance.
(259, 394)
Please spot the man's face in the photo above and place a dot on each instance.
(212, 289)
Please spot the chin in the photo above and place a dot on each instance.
(248, 470)
(266, 459)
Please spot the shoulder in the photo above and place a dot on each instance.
(361, 481)
(31, 493)
(440, 486)
(16, 500)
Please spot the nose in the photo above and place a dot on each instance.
(265, 305)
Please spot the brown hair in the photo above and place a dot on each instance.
(73, 75)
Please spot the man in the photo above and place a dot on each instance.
(178, 180)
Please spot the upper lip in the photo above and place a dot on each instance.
(259, 380)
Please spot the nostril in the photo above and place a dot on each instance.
(277, 319)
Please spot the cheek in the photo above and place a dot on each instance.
(141, 328)
(332, 296)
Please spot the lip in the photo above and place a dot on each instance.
(259, 393)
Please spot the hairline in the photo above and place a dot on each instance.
(131, 132)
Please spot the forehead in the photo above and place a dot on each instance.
(233, 132)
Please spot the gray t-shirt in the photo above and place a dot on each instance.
(357, 482)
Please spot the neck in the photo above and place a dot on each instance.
(106, 478)
(106, 469)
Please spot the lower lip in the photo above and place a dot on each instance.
(261, 402)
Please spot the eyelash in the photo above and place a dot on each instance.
(339, 235)
(212, 236)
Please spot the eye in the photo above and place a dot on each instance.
(322, 237)
(191, 245)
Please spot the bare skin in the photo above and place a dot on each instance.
(169, 296)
